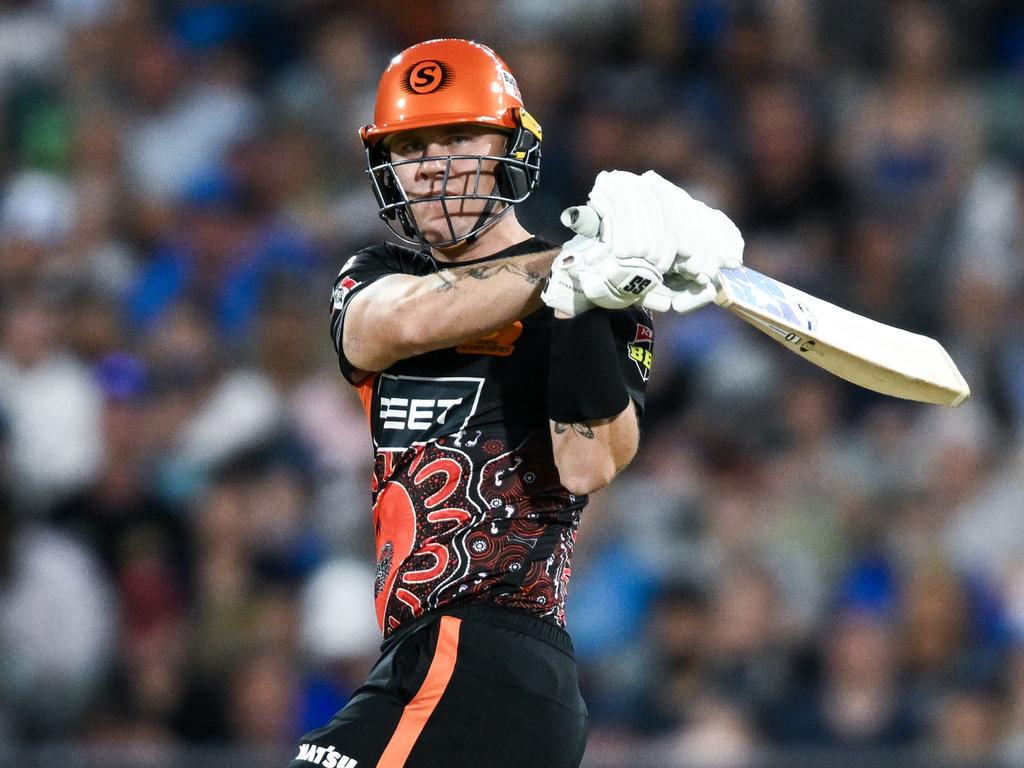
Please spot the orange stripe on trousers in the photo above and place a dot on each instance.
(422, 706)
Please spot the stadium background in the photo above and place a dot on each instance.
(792, 570)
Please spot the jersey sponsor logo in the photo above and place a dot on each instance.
(427, 76)
(327, 757)
(641, 350)
(416, 413)
(415, 409)
(770, 296)
(500, 343)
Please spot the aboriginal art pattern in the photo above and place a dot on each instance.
(499, 528)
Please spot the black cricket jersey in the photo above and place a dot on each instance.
(467, 503)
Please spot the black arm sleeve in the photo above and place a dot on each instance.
(585, 381)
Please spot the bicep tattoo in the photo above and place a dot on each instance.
(583, 429)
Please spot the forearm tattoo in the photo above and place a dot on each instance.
(583, 429)
(449, 277)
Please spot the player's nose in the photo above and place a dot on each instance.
(433, 166)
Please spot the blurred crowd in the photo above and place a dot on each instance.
(790, 563)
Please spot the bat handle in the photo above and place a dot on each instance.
(583, 220)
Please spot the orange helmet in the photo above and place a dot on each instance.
(451, 82)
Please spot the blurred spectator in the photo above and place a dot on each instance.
(746, 649)
(143, 542)
(57, 628)
(31, 42)
(611, 596)
(913, 136)
(675, 670)
(181, 125)
(225, 260)
(263, 701)
(858, 702)
(339, 635)
(970, 722)
(37, 214)
(793, 200)
(718, 735)
(52, 402)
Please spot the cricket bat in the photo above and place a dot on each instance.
(870, 354)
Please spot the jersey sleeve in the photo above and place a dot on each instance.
(361, 270)
(633, 330)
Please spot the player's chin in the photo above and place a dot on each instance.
(438, 228)
(444, 237)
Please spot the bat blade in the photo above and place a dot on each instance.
(870, 354)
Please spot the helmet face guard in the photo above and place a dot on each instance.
(515, 173)
(451, 82)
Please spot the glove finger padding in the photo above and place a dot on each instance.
(690, 295)
(632, 218)
(693, 296)
(658, 299)
(705, 239)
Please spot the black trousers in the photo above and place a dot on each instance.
(474, 686)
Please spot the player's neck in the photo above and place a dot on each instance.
(503, 234)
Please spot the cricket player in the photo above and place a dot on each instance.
(494, 410)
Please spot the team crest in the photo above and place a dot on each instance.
(426, 77)
(641, 350)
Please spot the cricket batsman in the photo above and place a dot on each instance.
(503, 378)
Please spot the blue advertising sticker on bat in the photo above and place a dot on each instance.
(768, 296)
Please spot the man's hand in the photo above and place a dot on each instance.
(705, 239)
(586, 274)
(680, 294)
(633, 218)
(563, 292)
(647, 218)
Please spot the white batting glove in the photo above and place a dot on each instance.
(633, 218)
(617, 283)
(586, 274)
(705, 239)
(680, 294)
(563, 292)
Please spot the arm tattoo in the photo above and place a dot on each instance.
(583, 429)
(447, 281)
(450, 277)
